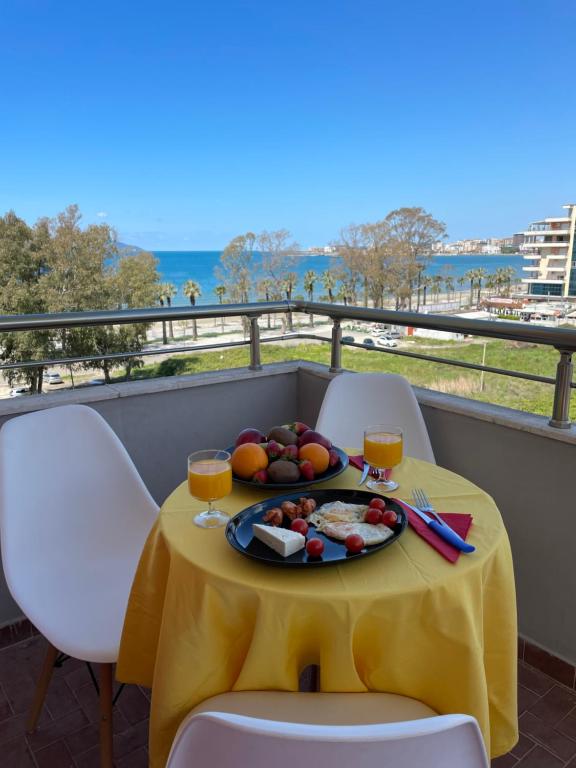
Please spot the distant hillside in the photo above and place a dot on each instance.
(128, 250)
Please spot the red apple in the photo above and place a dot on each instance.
(306, 470)
(250, 435)
(311, 436)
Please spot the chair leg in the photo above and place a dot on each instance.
(42, 687)
(106, 716)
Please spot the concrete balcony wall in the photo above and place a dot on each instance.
(524, 464)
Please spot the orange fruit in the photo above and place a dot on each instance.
(317, 455)
(247, 459)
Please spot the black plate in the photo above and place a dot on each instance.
(328, 475)
(240, 536)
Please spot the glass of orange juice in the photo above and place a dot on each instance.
(382, 450)
(210, 479)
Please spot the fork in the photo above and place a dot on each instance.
(422, 501)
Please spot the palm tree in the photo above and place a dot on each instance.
(288, 285)
(329, 283)
(461, 280)
(436, 283)
(449, 283)
(264, 288)
(161, 298)
(425, 283)
(471, 275)
(310, 278)
(168, 291)
(220, 291)
(507, 273)
(481, 273)
(192, 289)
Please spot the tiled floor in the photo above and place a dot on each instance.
(67, 736)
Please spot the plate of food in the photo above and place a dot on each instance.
(286, 457)
(321, 528)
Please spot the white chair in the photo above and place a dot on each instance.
(283, 730)
(354, 401)
(74, 516)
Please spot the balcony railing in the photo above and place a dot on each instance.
(563, 340)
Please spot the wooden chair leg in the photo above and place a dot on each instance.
(42, 687)
(106, 676)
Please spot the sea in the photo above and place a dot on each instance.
(178, 266)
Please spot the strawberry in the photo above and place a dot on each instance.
(290, 452)
(306, 470)
(260, 477)
(274, 450)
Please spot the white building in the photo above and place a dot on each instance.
(550, 255)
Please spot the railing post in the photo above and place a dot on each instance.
(561, 410)
(336, 356)
(255, 362)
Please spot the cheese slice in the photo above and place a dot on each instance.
(281, 540)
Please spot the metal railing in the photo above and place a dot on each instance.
(563, 340)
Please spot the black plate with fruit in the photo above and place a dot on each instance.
(240, 534)
(290, 456)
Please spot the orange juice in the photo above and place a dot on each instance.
(209, 479)
(383, 450)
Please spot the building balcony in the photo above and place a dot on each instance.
(517, 457)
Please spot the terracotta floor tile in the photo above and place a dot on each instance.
(131, 739)
(506, 761)
(57, 730)
(525, 744)
(5, 708)
(554, 705)
(137, 759)
(133, 704)
(54, 756)
(60, 700)
(540, 758)
(567, 725)
(15, 754)
(526, 699)
(83, 739)
(557, 668)
(89, 759)
(12, 728)
(556, 742)
(533, 679)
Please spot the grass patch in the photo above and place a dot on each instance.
(503, 390)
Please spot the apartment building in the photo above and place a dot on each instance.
(550, 253)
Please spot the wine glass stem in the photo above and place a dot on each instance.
(210, 510)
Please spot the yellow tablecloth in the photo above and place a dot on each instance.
(202, 619)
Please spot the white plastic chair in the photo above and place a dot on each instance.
(238, 729)
(74, 516)
(354, 401)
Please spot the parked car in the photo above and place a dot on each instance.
(383, 342)
(53, 377)
(348, 339)
(19, 391)
(368, 341)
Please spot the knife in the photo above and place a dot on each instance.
(364, 472)
(444, 531)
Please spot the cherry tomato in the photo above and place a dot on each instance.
(378, 504)
(373, 516)
(389, 517)
(314, 547)
(354, 543)
(300, 526)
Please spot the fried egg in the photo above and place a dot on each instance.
(372, 534)
(337, 512)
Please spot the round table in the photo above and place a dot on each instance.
(203, 620)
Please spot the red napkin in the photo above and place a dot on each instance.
(358, 462)
(458, 522)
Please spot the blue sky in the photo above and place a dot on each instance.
(183, 124)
